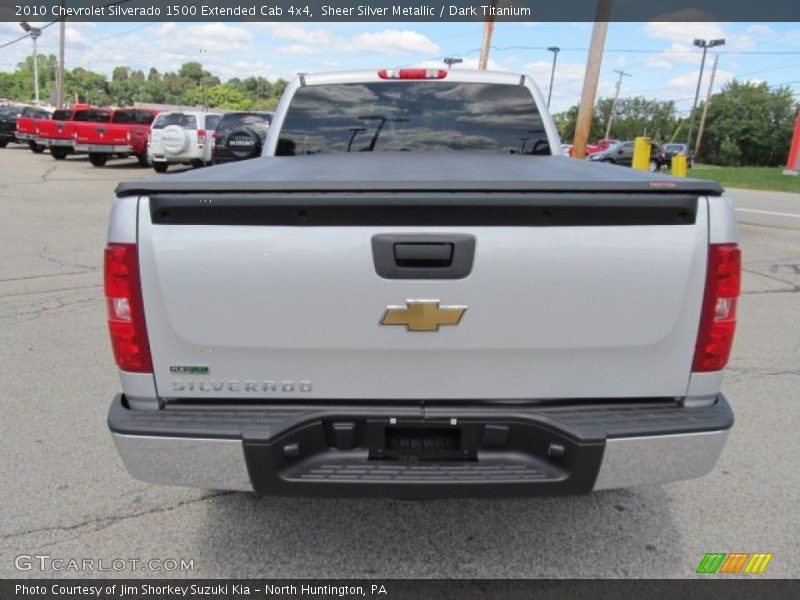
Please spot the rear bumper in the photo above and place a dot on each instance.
(55, 142)
(335, 450)
(181, 158)
(104, 148)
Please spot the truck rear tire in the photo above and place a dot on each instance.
(142, 158)
(58, 153)
(98, 160)
(35, 148)
(3, 143)
(160, 167)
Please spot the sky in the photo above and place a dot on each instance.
(659, 55)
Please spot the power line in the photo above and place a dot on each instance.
(53, 22)
(19, 39)
(121, 33)
(643, 51)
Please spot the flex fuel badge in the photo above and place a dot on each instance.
(188, 370)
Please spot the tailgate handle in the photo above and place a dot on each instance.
(423, 256)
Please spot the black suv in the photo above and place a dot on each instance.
(240, 136)
(8, 121)
(8, 124)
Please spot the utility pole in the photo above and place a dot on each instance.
(486, 42)
(60, 91)
(614, 103)
(583, 125)
(705, 45)
(555, 50)
(705, 107)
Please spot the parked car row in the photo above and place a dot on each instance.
(621, 153)
(154, 138)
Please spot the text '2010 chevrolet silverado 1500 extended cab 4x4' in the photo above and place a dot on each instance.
(411, 294)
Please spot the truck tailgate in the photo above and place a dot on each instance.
(101, 133)
(278, 295)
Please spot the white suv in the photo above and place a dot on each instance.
(182, 138)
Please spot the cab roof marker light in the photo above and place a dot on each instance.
(412, 73)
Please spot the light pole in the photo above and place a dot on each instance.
(451, 60)
(555, 50)
(705, 45)
(34, 32)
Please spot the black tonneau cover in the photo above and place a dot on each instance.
(415, 172)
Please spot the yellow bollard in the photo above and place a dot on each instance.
(641, 153)
(679, 165)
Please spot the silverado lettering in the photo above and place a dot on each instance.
(180, 385)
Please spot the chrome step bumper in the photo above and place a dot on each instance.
(287, 450)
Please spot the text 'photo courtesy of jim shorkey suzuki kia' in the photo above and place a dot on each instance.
(406, 296)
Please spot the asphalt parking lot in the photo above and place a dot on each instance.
(65, 494)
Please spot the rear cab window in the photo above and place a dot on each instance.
(62, 115)
(212, 121)
(413, 116)
(135, 117)
(92, 115)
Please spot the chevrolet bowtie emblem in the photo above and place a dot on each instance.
(423, 315)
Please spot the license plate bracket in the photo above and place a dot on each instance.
(417, 442)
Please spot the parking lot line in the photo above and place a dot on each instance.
(768, 212)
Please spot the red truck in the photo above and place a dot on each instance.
(58, 133)
(125, 135)
(27, 124)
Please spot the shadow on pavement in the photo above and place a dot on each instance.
(612, 533)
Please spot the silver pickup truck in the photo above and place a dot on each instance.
(412, 294)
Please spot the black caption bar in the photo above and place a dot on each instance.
(398, 589)
(396, 10)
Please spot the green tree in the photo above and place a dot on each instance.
(89, 87)
(633, 117)
(748, 124)
(566, 121)
(220, 96)
(191, 85)
(120, 74)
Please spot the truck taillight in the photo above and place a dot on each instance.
(718, 316)
(201, 138)
(412, 74)
(126, 323)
